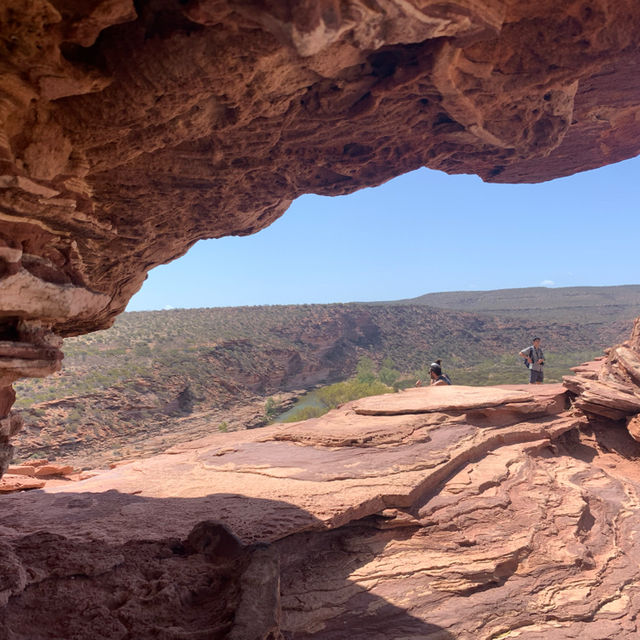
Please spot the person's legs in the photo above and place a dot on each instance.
(535, 377)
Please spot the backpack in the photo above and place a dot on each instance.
(525, 361)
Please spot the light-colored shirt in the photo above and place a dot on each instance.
(536, 354)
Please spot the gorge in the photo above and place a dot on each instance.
(130, 130)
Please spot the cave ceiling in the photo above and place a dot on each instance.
(130, 130)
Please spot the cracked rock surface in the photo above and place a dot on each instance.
(452, 520)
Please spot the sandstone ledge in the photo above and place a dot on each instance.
(610, 387)
(35, 475)
(525, 524)
(459, 398)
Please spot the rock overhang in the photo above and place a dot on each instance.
(129, 131)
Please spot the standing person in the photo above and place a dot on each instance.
(534, 359)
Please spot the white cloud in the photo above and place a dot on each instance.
(168, 307)
(547, 283)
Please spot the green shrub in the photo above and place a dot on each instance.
(270, 409)
(388, 374)
(306, 413)
(352, 389)
(365, 370)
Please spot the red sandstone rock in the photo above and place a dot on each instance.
(125, 126)
(633, 425)
(22, 470)
(453, 398)
(38, 463)
(32, 475)
(125, 129)
(124, 134)
(53, 470)
(610, 387)
(299, 532)
(18, 482)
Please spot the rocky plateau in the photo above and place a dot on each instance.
(131, 129)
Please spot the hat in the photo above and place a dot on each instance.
(436, 368)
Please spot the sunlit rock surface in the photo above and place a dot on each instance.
(489, 520)
(610, 387)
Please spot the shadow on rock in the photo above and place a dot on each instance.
(94, 566)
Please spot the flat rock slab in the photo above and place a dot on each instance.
(17, 482)
(450, 398)
(362, 522)
(266, 484)
(346, 428)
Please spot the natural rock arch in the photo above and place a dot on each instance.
(128, 131)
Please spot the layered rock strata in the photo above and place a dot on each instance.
(129, 131)
(432, 513)
(125, 132)
(610, 387)
(27, 350)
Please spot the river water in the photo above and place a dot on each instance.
(310, 399)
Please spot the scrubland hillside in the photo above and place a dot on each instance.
(156, 378)
(543, 304)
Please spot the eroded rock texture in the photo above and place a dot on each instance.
(610, 387)
(128, 131)
(435, 513)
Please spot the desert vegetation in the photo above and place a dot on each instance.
(368, 381)
(159, 377)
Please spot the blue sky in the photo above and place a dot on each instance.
(422, 232)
